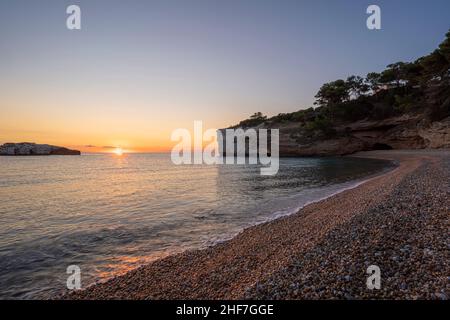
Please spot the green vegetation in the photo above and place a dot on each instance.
(256, 119)
(320, 124)
(403, 87)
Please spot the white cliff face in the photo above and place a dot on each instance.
(26, 148)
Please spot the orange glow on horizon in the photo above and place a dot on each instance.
(100, 136)
(108, 150)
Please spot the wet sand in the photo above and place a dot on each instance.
(398, 221)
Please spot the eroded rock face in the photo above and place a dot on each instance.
(437, 134)
(404, 132)
(33, 149)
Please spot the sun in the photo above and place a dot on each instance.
(118, 151)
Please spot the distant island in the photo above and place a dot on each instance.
(33, 149)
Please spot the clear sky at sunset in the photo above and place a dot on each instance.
(137, 70)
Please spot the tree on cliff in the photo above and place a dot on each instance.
(373, 80)
(254, 120)
(332, 93)
(394, 74)
(357, 86)
(258, 116)
(436, 66)
(444, 50)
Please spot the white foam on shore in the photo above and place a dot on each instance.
(336, 189)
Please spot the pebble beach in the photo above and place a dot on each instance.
(398, 221)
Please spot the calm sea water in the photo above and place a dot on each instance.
(109, 214)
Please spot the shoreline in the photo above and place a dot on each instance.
(242, 266)
(349, 185)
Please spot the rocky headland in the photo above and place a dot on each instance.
(406, 106)
(407, 131)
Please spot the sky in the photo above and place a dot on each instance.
(137, 70)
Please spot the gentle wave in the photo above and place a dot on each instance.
(111, 214)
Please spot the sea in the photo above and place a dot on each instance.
(108, 214)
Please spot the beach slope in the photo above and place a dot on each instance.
(398, 221)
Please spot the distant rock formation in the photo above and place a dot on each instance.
(33, 149)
